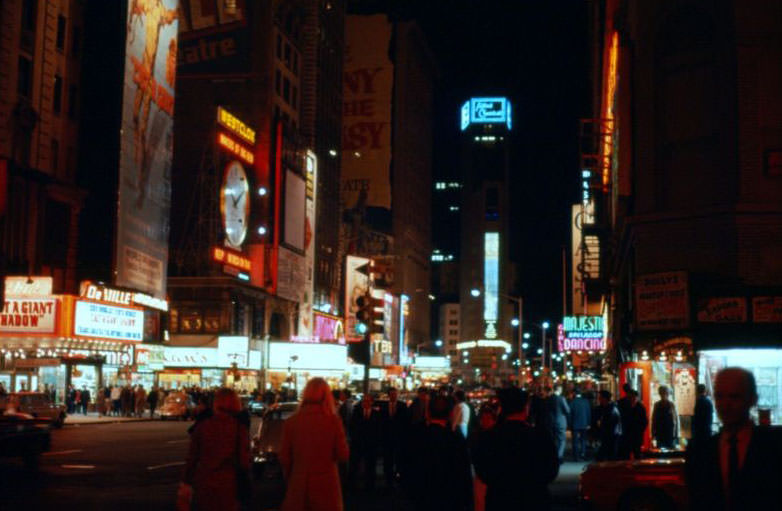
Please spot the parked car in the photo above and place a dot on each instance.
(36, 404)
(266, 443)
(177, 405)
(23, 436)
(256, 407)
(653, 484)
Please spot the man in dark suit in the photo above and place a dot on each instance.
(442, 478)
(394, 428)
(703, 416)
(364, 441)
(580, 419)
(741, 468)
(518, 461)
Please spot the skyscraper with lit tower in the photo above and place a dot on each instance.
(485, 276)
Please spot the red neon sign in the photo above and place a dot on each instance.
(235, 148)
(231, 258)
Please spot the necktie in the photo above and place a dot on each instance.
(733, 471)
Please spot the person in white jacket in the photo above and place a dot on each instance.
(460, 415)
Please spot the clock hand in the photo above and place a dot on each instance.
(237, 199)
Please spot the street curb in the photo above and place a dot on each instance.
(94, 423)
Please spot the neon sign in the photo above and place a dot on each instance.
(230, 122)
(231, 258)
(235, 148)
(491, 283)
(486, 111)
(582, 333)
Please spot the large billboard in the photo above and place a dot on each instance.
(366, 130)
(305, 306)
(146, 145)
(662, 301)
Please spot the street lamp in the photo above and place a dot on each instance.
(517, 321)
(543, 327)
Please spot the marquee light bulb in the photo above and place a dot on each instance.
(262, 191)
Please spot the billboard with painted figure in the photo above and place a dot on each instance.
(146, 146)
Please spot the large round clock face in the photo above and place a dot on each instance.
(235, 204)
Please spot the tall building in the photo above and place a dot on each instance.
(323, 49)
(40, 111)
(688, 190)
(485, 272)
(387, 159)
(279, 126)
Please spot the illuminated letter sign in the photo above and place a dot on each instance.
(102, 321)
(582, 333)
(465, 115)
(231, 258)
(235, 148)
(488, 110)
(227, 120)
(491, 282)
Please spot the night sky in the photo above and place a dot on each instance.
(536, 53)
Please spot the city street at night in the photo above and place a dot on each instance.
(390, 255)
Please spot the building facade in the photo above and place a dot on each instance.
(689, 190)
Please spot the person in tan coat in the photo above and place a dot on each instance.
(313, 443)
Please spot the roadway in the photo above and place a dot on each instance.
(137, 465)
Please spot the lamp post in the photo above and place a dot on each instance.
(543, 327)
(519, 301)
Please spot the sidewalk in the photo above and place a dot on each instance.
(93, 418)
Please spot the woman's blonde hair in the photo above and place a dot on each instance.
(318, 393)
(227, 401)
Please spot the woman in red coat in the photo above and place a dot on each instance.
(219, 455)
(313, 443)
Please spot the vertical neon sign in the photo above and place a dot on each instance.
(491, 283)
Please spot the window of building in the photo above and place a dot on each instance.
(453, 332)
(25, 77)
(296, 63)
(453, 322)
(287, 55)
(61, 32)
(55, 154)
(277, 81)
(286, 90)
(75, 42)
(452, 312)
(295, 98)
(57, 94)
(279, 46)
(29, 12)
(73, 96)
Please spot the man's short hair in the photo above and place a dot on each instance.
(701, 388)
(422, 390)
(459, 395)
(438, 408)
(513, 400)
(749, 379)
(627, 387)
(605, 394)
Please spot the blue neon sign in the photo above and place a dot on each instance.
(491, 283)
(486, 111)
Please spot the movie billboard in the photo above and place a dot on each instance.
(356, 284)
(146, 145)
(366, 131)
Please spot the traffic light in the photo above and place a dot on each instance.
(377, 324)
(381, 272)
(364, 312)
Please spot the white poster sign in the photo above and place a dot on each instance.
(233, 349)
(102, 321)
(29, 315)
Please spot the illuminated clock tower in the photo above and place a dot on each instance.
(486, 342)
